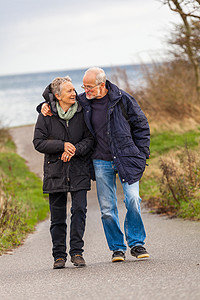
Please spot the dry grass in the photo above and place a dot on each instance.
(170, 124)
(168, 96)
(5, 139)
(180, 180)
(177, 178)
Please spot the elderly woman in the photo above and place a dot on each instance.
(67, 144)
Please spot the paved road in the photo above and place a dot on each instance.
(173, 272)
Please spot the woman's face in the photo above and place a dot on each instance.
(67, 95)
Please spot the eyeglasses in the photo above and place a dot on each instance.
(89, 88)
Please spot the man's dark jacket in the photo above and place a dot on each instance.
(49, 137)
(129, 140)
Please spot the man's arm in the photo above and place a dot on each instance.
(45, 109)
(139, 124)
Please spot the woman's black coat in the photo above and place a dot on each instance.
(49, 137)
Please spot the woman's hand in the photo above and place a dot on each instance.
(46, 110)
(66, 156)
(69, 151)
(69, 148)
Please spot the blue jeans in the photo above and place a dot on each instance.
(105, 172)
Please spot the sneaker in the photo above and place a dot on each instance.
(139, 252)
(78, 260)
(118, 256)
(59, 263)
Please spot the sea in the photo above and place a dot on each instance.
(20, 94)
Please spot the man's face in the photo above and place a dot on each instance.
(92, 90)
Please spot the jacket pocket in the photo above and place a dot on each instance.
(129, 149)
(133, 166)
(54, 166)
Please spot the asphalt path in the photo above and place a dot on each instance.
(172, 272)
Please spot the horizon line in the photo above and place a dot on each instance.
(75, 69)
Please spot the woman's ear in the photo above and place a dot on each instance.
(57, 97)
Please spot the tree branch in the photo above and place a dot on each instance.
(180, 10)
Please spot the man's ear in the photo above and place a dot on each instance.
(102, 85)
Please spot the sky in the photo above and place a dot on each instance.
(51, 35)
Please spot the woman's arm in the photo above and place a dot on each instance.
(41, 139)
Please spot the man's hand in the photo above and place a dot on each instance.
(46, 110)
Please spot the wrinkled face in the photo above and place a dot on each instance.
(92, 90)
(68, 94)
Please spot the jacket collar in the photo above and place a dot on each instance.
(114, 93)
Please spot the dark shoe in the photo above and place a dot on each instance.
(139, 252)
(78, 260)
(118, 256)
(59, 263)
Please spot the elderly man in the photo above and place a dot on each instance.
(122, 146)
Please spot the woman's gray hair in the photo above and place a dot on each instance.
(57, 82)
(100, 74)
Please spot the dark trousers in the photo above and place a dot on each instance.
(58, 228)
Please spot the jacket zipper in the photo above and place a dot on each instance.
(68, 166)
(68, 169)
(111, 108)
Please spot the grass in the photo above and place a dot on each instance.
(25, 204)
(149, 188)
(163, 145)
(190, 210)
(23, 184)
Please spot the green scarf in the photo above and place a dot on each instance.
(69, 114)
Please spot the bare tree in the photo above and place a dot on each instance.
(188, 39)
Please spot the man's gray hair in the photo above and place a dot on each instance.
(57, 83)
(100, 74)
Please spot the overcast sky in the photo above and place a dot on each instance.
(45, 35)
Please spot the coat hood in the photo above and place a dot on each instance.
(50, 98)
(113, 91)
